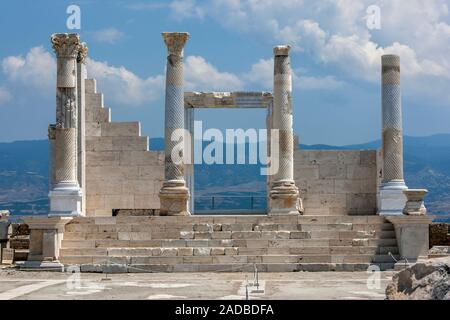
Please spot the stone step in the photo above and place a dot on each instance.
(263, 235)
(182, 251)
(225, 259)
(238, 267)
(244, 243)
(218, 219)
(90, 86)
(149, 227)
(94, 100)
(97, 115)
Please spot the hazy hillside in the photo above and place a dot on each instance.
(24, 172)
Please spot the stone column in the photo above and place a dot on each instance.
(51, 159)
(66, 195)
(284, 195)
(174, 194)
(81, 136)
(391, 198)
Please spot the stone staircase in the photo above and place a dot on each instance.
(121, 171)
(229, 243)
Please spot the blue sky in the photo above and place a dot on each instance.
(335, 58)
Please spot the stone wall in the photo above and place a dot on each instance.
(439, 234)
(337, 182)
(120, 171)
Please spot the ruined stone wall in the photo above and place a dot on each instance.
(337, 182)
(120, 171)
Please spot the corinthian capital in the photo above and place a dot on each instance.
(175, 42)
(66, 45)
(82, 53)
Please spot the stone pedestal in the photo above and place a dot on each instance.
(4, 227)
(391, 200)
(414, 204)
(284, 194)
(174, 194)
(46, 234)
(412, 233)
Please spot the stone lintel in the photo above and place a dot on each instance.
(227, 99)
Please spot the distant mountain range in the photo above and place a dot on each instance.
(24, 173)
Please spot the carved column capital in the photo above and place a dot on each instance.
(282, 50)
(175, 42)
(82, 53)
(66, 45)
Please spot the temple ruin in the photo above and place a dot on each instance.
(113, 201)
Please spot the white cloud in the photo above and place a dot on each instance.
(5, 96)
(201, 75)
(108, 35)
(37, 69)
(123, 86)
(261, 76)
(338, 36)
(182, 9)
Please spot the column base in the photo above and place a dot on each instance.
(391, 199)
(284, 199)
(65, 201)
(41, 266)
(174, 197)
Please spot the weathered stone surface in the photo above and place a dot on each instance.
(428, 280)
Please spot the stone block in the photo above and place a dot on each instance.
(307, 172)
(360, 172)
(151, 172)
(130, 143)
(232, 251)
(169, 252)
(321, 186)
(349, 157)
(184, 252)
(94, 100)
(347, 186)
(90, 86)
(141, 158)
(332, 171)
(93, 129)
(187, 235)
(102, 158)
(221, 235)
(217, 251)
(121, 129)
(204, 227)
(119, 201)
(368, 157)
(202, 235)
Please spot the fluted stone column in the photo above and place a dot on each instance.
(174, 194)
(66, 196)
(391, 198)
(284, 195)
